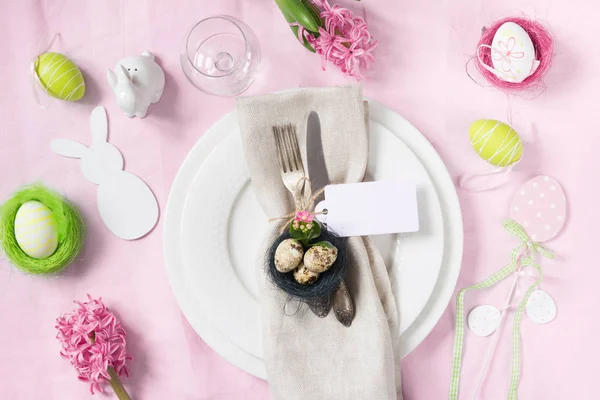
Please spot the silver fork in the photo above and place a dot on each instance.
(288, 153)
(292, 170)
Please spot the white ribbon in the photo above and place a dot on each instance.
(500, 74)
(469, 181)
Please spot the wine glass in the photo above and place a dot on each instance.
(220, 56)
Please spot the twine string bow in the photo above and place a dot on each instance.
(521, 256)
(304, 200)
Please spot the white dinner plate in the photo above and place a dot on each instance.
(214, 227)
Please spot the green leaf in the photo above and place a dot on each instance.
(297, 233)
(286, 14)
(290, 20)
(323, 244)
(296, 11)
(314, 11)
(306, 44)
(306, 235)
(315, 232)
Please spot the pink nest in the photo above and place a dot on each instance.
(543, 44)
(93, 340)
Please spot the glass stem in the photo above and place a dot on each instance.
(117, 386)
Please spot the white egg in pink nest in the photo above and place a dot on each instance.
(540, 206)
(513, 54)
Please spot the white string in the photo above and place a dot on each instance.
(496, 337)
(510, 98)
(467, 181)
(499, 74)
(288, 301)
(35, 80)
(507, 305)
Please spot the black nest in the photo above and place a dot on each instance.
(328, 281)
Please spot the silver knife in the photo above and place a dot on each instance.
(317, 172)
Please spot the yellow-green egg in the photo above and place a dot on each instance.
(36, 230)
(496, 142)
(60, 77)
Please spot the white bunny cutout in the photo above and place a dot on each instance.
(126, 204)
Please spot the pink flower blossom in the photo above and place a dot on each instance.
(506, 53)
(304, 216)
(344, 41)
(93, 340)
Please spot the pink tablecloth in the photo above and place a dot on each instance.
(420, 74)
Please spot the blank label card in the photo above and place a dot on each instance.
(370, 208)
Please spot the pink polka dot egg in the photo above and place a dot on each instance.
(540, 206)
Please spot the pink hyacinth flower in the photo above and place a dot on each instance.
(93, 340)
(345, 40)
(304, 216)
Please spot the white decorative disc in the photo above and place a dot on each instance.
(540, 307)
(484, 320)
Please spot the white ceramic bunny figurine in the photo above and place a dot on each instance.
(126, 204)
(137, 81)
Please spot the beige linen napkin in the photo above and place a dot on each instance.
(309, 358)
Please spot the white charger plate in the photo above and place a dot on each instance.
(214, 225)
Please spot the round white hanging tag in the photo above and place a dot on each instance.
(540, 307)
(484, 320)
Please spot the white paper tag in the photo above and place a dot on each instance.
(370, 208)
(484, 320)
(540, 307)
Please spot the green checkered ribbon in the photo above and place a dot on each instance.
(523, 255)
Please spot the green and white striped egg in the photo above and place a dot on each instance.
(496, 142)
(36, 230)
(60, 77)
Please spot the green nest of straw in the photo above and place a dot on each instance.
(71, 230)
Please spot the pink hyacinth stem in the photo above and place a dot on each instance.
(117, 386)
